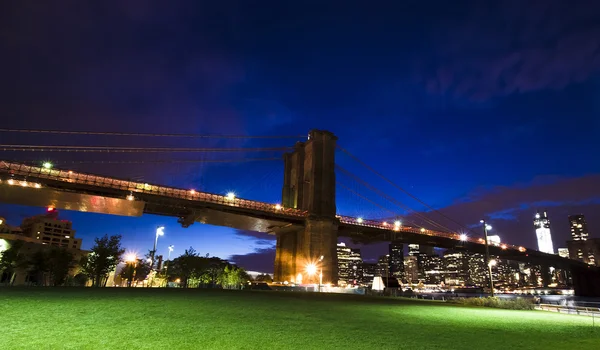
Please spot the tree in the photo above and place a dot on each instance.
(135, 271)
(103, 258)
(184, 266)
(265, 277)
(12, 259)
(60, 261)
(38, 267)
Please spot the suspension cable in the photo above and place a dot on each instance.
(401, 189)
(153, 161)
(374, 203)
(392, 200)
(108, 133)
(51, 148)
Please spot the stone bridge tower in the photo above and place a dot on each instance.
(309, 184)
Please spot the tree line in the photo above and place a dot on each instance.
(51, 267)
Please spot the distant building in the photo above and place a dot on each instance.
(349, 264)
(369, 271)
(563, 252)
(587, 251)
(494, 240)
(48, 229)
(579, 230)
(433, 266)
(477, 270)
(396, 259)
(411, 269)
(456, 267)
(383, 266)
(421, 252)
(542, 231)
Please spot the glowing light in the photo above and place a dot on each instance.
(37, 186)
(493, 262)
(522, 249)
(311, 269)
(192, 191)
(230, 196)
(537, 215)
(482, 221)
(503, 246)
(482, 240)
(50, 209)
(47, 165)
(177, 280)
(278, 206)
(488, 227)
(397, 223)
(422, 230)
(160, 231)
(463, 237)
(11, 182)
(385, 223)
(70, 172)
(24, 183)
(130, 197)
(359, 220)
(131, 257)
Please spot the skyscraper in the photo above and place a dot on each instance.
(349, 264)
(579, 231)
(396, 259)
(542, 231)
(411, 270)
(563, 252)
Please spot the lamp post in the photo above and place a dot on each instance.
(131, 261)
(487, 227)
(167, 265)
(160, 231)
(320, 272)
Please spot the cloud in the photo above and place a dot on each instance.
(513, 46)
(510, 209)
(261, 260)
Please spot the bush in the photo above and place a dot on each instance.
(495, 302)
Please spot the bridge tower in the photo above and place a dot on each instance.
(309, 184)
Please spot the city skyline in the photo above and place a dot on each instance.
(475, 130)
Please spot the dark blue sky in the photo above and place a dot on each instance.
(480, 108)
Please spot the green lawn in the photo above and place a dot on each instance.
(138, 318)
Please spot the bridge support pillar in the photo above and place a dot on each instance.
(297, 251)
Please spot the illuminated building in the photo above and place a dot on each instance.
(542, 231)
(396, 259)
(579, 230)
(48, 229)
(421, 252)
(383, 266)
(433, 267)
(349, 264)
(411, 269)
(587, 251)
(494, 240)
(563, 252)
(456, 267)
(477, 270)
(369, 271)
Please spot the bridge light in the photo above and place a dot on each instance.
(463, 237)
(24, 183)
(385, 223)
(47, 165)
(50, 209)
(522, 249)
(130, 197)
(503, 246)
(397, 223)
(11, 182)
(359, 220)
(230, 196)
(192, 191)
(422, 229)
(70, 172)
(37, 186)
(278, 207)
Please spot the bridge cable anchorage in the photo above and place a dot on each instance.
(375, 203)
(152, 161)
(402, 189)
(112, 149)
(393, 200)
(109, 133)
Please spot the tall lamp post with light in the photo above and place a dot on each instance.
(167, 265)
(488, 262)
(160, 231)
(311, 269)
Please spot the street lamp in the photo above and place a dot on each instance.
(160, 231)
(131, 263)
(487, 227)
(321, 273)
(170, 250)
(167, 264)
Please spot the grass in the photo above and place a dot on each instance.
(139, 318)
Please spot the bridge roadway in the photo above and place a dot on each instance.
(64, 189)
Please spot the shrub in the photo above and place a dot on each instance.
(495, 302)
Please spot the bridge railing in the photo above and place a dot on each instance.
(28, 172)
(423, 231)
